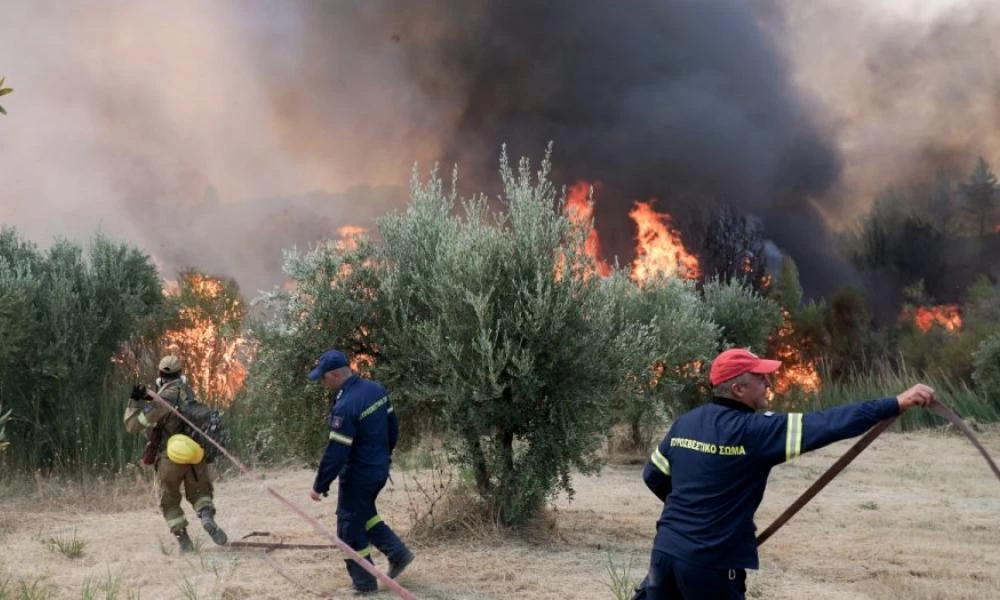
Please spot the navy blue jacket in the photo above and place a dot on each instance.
(713, 464)
(363, 433)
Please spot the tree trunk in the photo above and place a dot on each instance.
(479, 468)
(636, 433)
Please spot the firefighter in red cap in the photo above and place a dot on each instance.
(712, 466)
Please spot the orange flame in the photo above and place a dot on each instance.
(581, 213)
(349, 235)
(348, 240)
(659, 248)
(946, 316)
(796, 371)
(213, 358)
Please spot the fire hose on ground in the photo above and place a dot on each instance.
(319, 527)
(936, 406)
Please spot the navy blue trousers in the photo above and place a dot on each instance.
(672, 579)
(361, 527)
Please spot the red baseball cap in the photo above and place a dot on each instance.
(737, 361)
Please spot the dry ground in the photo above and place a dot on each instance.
(914, 517)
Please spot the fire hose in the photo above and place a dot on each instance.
(319, 527)
(936, 406)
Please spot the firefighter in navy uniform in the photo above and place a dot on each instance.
(363, 434)
(711, 469)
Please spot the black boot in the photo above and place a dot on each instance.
(184, 540)
(207, 516)
(399, 565)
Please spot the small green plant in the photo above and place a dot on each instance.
(188, 589)
(3, 92)
(109, 589)
(71, 548)
(870, 505)
(26, 589)
(620, 580)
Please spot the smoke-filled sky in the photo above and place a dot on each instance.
(279, 121)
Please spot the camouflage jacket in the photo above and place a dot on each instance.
(142, 415)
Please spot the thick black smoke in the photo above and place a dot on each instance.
(685, 101)
(127, 117)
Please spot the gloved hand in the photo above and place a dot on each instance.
(138, 392)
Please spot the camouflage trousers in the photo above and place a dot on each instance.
(197, 483)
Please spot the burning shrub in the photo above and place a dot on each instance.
(934, 338)
(331, 303)
(798, 341)
(207, 331)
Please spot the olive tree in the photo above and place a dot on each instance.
(510, 337)
(486, 319)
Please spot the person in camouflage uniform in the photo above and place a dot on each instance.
(159, 423)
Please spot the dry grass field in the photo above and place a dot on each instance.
(914, 517)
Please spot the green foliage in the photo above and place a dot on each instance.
(70, 548)
(64, 315)
(26, 589)
(981, 312)
(662, 378)
(849, 327)
(881, 381)
(520, 350)
(986, 373)
(620, 582)
(939, 350)
(787, 290)
(108, 589)
(747, 319)
(331, 305)
(3, 92)
(485, 325)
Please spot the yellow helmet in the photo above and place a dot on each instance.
(170, 364)
(183, 450)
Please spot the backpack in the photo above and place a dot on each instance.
(208, 420)
(205, 418)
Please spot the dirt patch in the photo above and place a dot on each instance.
(914, 517)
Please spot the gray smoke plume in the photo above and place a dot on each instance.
(216, 135)
(689, 102)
